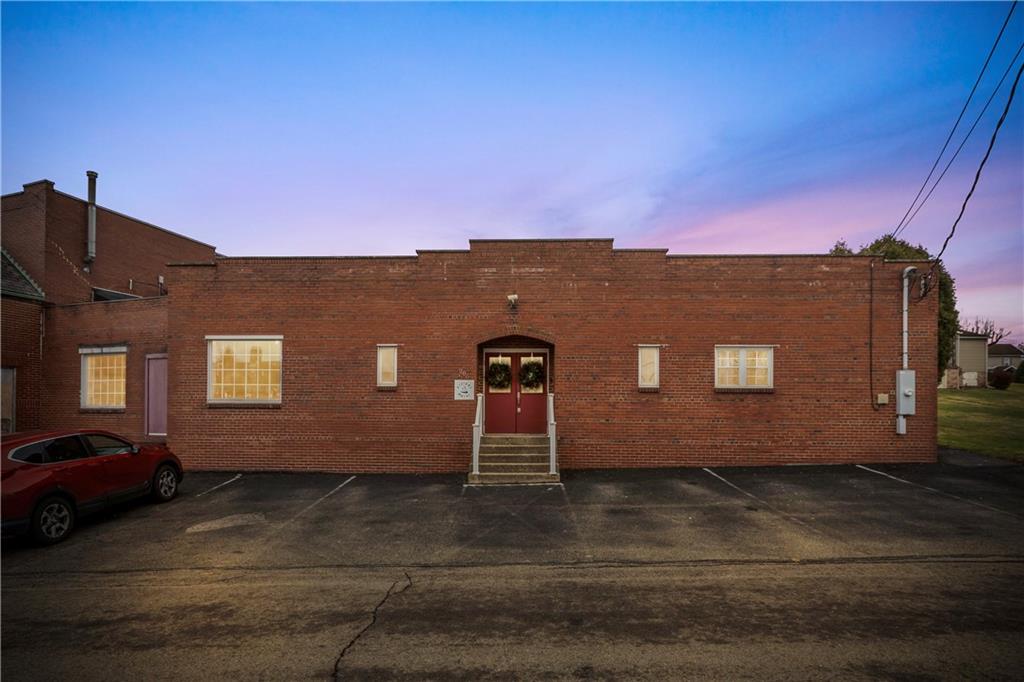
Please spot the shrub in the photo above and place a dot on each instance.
(1018, 376)
(1000, 378)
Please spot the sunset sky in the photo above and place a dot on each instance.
(378, 129)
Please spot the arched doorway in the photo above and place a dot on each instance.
(517, 374)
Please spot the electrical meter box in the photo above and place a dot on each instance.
(906, 392)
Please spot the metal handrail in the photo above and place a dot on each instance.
(477, 430)
(552, 436)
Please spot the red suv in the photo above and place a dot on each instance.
(50, 478)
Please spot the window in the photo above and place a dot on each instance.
(103, 371)
(743, 367)
(7, 401)
(649, 369)
(105, 445)
(64, 449)
(499, 360)
(51, 451)
(244, 369)
(34, 453)
(387, 365)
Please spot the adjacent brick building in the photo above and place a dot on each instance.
(58, 301)
(640, 358)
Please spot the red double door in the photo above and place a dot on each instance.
(515, 408)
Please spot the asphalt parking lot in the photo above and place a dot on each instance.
(840, 572)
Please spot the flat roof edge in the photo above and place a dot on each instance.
(307, 258)
(798, 255)
(545, 239)
(679, 256)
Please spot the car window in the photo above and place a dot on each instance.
(34, 453)
(65, 449)
(106, 445)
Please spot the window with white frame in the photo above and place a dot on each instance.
(387, 365)
(744, 366)
(649, 369)
(244, 369)
(103, 377)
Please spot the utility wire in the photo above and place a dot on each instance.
(999, 85)
(992, 142)
(957, 123)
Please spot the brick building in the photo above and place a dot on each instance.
(62, 299)
(467, 360)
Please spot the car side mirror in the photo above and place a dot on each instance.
(135, 449)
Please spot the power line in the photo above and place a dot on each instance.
(999, 85)
(977, 175)
(957, 123)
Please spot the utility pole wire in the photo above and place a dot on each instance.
(977, 175)
(999, 85)
(953, 130)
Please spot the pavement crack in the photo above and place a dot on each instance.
(336, 675)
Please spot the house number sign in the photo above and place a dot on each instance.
(464, 389)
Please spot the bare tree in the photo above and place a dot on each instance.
(987, 327)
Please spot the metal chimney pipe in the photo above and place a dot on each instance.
(90, 245)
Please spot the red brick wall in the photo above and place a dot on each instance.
(24, 228)
(141, 324)
(126, 249)
(21, 323)
(46, 232)
(594, 305)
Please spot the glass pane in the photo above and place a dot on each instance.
(105, 445)
(241, 370)
(34, 453)
(539, 359)
(64, 449)
(649, 366)
(104, 379)
(757, 378)
(758, 363)
(729, 377)
(387, 371)
(728, 361)
(499, 360)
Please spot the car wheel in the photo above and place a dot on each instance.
(53, 520)
(165, 483)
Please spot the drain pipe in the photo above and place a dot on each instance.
(90, 245)
(907, 272)
(905, 387)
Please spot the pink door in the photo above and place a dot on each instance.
(156, 395)
(512, 406)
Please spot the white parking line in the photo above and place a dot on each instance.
(220, 485)
(763, 503)
(342, 485)
(936, 491)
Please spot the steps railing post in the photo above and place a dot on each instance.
(477, 429)
(552, 435)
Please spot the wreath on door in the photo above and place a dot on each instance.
(531, 373)
(499, 375)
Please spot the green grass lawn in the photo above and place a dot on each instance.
(983, 420)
